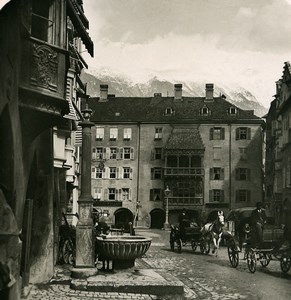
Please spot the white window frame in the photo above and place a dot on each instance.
(112, 172)
(99, 133)
(113, 133)
(158, 133)
(127, 133)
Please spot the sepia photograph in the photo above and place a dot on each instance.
(145, 149)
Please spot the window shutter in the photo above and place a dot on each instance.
(248, 133)
(121, 153)
(131, 153)
(106, 194)
(117, 173)
(129, 194)
(237, 134)
(237, 196)
(222, 173)
(222, 134)
(151, 195)
(106, 172)
(210, 195)
(248, 196)
(94, 153)
(93, 172)
(222, 196)
(104, 152)
(116, 194)
(211, 174)
(130, 173)
(117, 153)
(211, 134)
(107, 155)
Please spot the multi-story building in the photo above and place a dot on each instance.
(278, 149)
(38, 76)
(206, 150)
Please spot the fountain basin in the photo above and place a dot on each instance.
(123, 250)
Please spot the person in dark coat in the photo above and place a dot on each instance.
(258, 219)
(183, 221)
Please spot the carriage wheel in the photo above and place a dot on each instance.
(265, 259)
(252, 261)
(194, 246)
(172, 245)
(285, 263)
(67, 252)
(179, 245)
(233, 256)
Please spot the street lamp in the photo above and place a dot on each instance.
(167, 192)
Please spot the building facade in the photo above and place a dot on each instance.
(37, 118)
(278, 149)
(206, 150)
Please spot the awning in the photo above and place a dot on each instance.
(79, 26)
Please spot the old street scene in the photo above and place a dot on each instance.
(145, 149)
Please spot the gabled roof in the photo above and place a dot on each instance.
(152, 110)
(184, 139)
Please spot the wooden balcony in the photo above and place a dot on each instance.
(185, 201)
(183, 171)
(43, 77)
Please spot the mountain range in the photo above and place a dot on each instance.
(121, 86)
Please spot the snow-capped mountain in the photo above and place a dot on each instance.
(121, 86)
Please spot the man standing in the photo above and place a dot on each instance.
(258, 218)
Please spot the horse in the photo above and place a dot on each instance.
(215, 230)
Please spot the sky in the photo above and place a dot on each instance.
(232, 42)
(229, 42)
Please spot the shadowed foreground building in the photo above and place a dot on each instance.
(206, 150)
(40, 93)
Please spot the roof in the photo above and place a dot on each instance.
(185, 138)
(152, 110)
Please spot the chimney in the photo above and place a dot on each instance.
(178, 91)
(103, 92)
(209, 91)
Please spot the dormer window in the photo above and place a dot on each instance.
(232, 110)
(205, 111)
(169, 111)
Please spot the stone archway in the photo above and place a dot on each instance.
(157, 218)
(122, 217)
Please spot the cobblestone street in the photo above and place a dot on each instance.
(204, 277)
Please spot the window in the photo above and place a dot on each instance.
(112, 172)
(99, 133)
(157, 153)
(127, 133)
(127, 173)
(111, 194)
(243, 133)
(169, 111)
(128, 153)
(232, 111)
(216, 195)
(243, 196)
(242, 174)
(113, 153)
(158, 133)
(156, 173)
(216, 174)
(216, 153)
(45, 23)
(205, 111)
(125, 194)
(155, 195)
(100, 151)
(97, 193)
(243, 153)
(216, 133)
(113, 132)
(98, 173)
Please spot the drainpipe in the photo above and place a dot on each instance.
(229, 165)
(137, 183)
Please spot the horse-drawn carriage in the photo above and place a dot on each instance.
(190, 233)
(242, 244)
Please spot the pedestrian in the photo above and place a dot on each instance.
(258, 219)
(183, 221)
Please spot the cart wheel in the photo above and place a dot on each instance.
(179, 245)
(285, 263)
(265, 260)
(202, 247)
(194, 246)
(67, 252)
(233, 256)
(252, 261)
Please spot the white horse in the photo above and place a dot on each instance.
(215, 230)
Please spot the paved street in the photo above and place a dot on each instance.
(204, 276)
